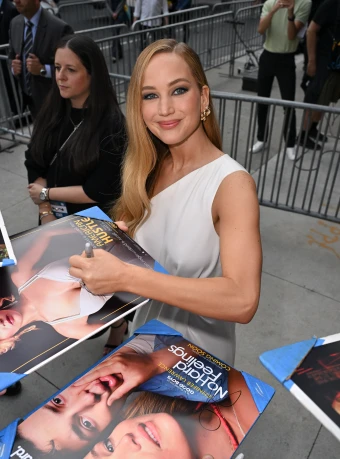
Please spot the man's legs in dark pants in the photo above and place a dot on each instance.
(117, 49)
(147, 37)
(8, 84)
(286, 78)
(264, 88)
(29, 102)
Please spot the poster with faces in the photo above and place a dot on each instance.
(33, 330)
(159, 396)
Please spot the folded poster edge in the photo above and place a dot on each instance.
(94, 212)
(261, 392)
(7, 437)
(282, 362)
(7, 262)
(155, 327)
(8, 379)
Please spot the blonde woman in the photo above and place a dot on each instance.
(193, 208)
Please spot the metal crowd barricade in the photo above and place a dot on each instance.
(15, 120)
(247, 39)
(120, 84)
(232, 6)
(173, 18)
(85, 15)
(104, 32)
(310, 185)
(4, 49)
(211, 37)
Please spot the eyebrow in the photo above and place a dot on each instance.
(67, 65)
(51, 408)
(169, 84)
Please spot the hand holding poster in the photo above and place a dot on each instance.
(45, 310)
(158, 396)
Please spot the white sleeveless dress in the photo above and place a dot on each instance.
(180, 235)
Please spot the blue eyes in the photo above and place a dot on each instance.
(180, 91)
(176, 92)
(149, 96)
(109, 446)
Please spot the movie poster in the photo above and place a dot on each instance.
(43, 309)
(158, 396)
(319, 377)
(6, 251)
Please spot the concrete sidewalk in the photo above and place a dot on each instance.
(300, 298)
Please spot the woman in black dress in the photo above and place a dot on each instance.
(73, 160)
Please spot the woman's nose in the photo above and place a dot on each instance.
(165, 107)
(129, 443)
(62, 74)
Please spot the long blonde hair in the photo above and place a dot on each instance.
(9, 343)
(146, 152)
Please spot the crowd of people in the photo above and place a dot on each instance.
(286, 24)
(160, 172)
(173, 174)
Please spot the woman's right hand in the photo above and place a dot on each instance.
(103, 274)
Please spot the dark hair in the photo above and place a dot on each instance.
(30, 448)
(82, 149)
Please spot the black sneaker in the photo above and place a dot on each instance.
(308, 143)
(315, 134)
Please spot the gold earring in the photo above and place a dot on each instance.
(206, 112)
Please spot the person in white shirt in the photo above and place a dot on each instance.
(145, 9)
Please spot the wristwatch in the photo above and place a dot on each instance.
(292, 18)
(44, 194)
(43, 71)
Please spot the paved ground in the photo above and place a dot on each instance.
(300, 298)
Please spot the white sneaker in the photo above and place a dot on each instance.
(291, 153)
(257, 147)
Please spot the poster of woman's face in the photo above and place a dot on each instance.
(106, 414)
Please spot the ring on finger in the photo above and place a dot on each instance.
(83, 285)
